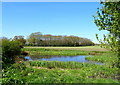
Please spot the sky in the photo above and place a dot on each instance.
(55, 18)
(51, 0)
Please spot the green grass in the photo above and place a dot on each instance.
(83, 74)
(82, 48)
(43, 51)
(107, 58)
(61, 52)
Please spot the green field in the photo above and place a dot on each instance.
(66, 51)
(65, 72)
(84, 48)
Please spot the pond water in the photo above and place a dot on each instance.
(80, 58)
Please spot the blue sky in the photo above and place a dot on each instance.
(51, 0)
(56, 18)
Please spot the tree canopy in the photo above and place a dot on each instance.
(108, 18)
(20, 39)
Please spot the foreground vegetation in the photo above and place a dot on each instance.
(63, 72)
(59, 72)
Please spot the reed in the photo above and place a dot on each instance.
(60, 64)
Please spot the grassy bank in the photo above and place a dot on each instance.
(106, 58)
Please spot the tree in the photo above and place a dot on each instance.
(20, 39)
(35, 38)
(108, 18)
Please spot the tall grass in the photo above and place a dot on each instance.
(60, 64)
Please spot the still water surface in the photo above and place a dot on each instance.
(80, 58)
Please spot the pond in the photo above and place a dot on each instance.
(80, 58)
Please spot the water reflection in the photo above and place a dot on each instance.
(80, 58)
(28, 58)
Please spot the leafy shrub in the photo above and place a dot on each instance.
(10, 49)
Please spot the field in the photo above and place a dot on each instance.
(65, 72)
(84, 48)
(66, 51)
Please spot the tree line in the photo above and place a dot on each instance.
(38, 39)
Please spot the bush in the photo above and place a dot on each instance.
(10, 49)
